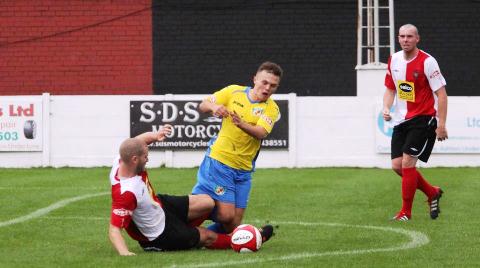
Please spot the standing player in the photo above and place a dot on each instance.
(157, 222)
(248, 117)
(416, 84)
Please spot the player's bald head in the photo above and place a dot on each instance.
(409, 27)
(131, 147)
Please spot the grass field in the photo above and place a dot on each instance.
(326, 217)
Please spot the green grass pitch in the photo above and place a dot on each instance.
(326, 217)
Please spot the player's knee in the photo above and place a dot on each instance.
(408, 161)
(397, 170)
(201, 202)
(225, 216)
(397, 167)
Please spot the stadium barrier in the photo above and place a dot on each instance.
(85, 131)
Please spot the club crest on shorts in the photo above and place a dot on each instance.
(219, 190)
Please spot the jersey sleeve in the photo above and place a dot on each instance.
(223, 96)
(113, 171)
(434, 76)
(269, 117)
(122, 208)
(389, 83)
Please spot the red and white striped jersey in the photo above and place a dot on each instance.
(414, 82)
(133, 199)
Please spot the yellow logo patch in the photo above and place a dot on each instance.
(406, 90)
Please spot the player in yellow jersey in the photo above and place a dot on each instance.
(248, 115)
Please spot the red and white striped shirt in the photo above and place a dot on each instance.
(414, 82)
(133, 199)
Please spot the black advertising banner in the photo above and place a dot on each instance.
(192, 129)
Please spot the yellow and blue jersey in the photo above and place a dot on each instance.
(234, 147)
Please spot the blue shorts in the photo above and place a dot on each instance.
(223, 183)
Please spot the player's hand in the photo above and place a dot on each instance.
(236, 118)
(128, 253)
(220, 111)
(386, 114)
(164, 132)
(441, 133)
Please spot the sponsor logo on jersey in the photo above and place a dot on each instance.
(435, 74)
(405, 87)
(257, 111)
(219, 190)
(406, 90)
(122, 212)
(268, 120)
(238, 103)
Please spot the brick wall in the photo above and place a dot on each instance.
(105, 46)
(199, 48)
(75, 47)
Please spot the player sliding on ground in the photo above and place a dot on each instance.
(157, 222)
(248, 116)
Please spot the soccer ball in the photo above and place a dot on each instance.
(246, 238)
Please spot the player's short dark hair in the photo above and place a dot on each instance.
(272, 68)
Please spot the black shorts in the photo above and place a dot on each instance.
(177, 235)
(414, 137)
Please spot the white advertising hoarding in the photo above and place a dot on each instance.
(21, 123)
(463, 126)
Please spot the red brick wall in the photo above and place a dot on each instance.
(75, 47)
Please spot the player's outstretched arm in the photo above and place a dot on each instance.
(150, 137)
(253, 130)
(207, 106)
(115, 235)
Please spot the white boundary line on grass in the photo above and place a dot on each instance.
(417, 239)
(29, 188)
(43, 211)
(76, 218)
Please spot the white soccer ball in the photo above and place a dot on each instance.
(246, 238)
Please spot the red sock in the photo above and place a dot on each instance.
(198, 221)
(409, 186)
(222, 242)
(425, 187)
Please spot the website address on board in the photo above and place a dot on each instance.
(180, 144)
(204, 144)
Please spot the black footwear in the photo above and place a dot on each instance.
(267, 232)
(435, 204)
